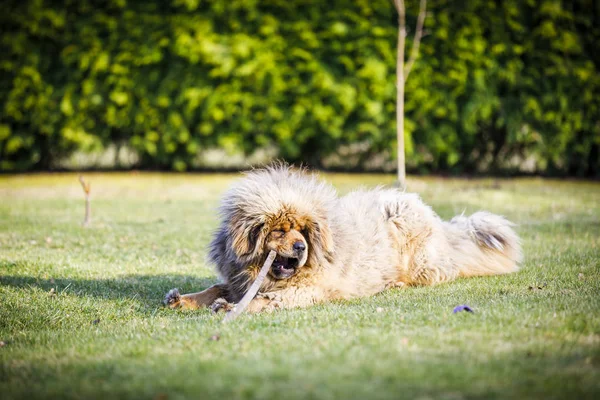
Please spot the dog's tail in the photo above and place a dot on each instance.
(483, 244)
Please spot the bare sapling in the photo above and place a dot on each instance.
(86, 190)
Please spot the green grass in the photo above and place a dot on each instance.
(103, 333)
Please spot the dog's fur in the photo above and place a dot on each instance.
(354, 246)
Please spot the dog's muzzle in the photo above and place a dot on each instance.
(284, 267)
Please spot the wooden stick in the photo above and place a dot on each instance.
(243, 304)
(86, 189)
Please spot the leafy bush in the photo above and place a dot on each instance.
(497, 85)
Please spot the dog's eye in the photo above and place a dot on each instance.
(278, 233)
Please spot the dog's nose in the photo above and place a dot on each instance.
(299, 246)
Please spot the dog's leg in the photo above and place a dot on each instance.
(432, 275)
(395, 284)
(291, 297)
(428, 270)
(194, 301)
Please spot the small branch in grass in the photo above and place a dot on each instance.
(241, 306)
(86, 190)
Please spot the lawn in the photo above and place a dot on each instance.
(81, 315)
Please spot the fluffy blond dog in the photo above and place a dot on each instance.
(341, 248)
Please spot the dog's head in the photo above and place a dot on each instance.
(296, 239)
(276, 209)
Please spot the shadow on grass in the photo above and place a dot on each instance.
(150, 289)
(525, 373)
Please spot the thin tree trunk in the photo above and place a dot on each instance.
(402, 72)
(400, 124)
(414, 51)
(400, 92)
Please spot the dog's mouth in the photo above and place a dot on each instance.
(284, 267)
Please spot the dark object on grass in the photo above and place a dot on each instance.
(538, 287)
(96, 321)
(462, 308)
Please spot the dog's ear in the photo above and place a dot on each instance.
(246, 236)
(321, 246)
(218, 246)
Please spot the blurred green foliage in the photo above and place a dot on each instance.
(497, 84)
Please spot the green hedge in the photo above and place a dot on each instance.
(498, 85)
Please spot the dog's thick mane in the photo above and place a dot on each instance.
(255, 205)
(275, 188)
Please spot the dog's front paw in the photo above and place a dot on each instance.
(274, 296)
(268, 301)
(221, 305)
(273, 305)
(263, 304)
(398, 285)
(172, 299)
